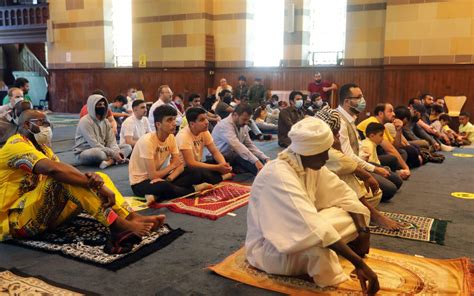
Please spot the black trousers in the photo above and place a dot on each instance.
(180, 186)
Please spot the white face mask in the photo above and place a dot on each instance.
(16, 100)
(299, 104)
(44, 136)
(134, 95)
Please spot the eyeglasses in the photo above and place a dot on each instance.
(41, 122)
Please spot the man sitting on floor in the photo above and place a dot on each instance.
(300, 215)
(135, 126)
(362, 182)
(95, 142)
(383, 113)
(39, 192)
(195, 101)
(191, 141)
(232, 138)
(110, 117)
(290, 116)
(150, 176)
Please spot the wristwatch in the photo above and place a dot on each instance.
(364, 229)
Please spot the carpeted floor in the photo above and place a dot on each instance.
(179, 269)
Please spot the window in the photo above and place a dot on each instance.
(122, 32)
(328, 31)
(266, 48)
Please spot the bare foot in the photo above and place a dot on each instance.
(202, 186)
(386, 222)
(227, 176)
(156, 220)
(139, 228)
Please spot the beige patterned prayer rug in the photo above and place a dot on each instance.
(398, 274)
(14, 282)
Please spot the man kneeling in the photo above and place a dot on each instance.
(39, 193)
(300, 214)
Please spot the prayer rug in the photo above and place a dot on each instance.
(84, 238)
(398, 274)
(137, 203)
(415, 228)
(15, 282)
(211, 204)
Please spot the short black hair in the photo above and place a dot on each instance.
(122, 99)
(373, 128)
(315, 96)
(163, 111)
(295, 93)
(275, 97)
(20, 82)
(437, 109)
(424, 95)
(411, 101)
(193, 96)
(465, 113)
(445, 117)
(99, 92)
(242, 77)
(223, 93)
(419, 107)
(137, 102)
(402, 112)
(345, 92)
(193, 113)
(379, 108)
(243, 108)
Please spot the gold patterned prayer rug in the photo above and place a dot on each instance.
(211, 204)
(415, 228)
(398, 274)
(15, 282)
(84, 238)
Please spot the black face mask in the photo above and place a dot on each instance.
(318, 80)
(100, 111)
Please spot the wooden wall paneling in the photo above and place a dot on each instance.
(395, 84)
(70, 88)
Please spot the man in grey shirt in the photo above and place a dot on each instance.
(231, 136)
(95, 139)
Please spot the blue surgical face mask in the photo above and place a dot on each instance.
(361, 105)
(299, 104)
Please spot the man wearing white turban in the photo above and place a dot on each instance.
(301, 215)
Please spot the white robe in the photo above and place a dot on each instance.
(294, 215)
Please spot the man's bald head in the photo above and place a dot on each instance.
(27, 115)
(22, 106)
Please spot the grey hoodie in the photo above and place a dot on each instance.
(94, 133)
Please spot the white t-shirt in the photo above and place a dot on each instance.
(158, 103)
(132, 126)
(187, 140)
(150, 148)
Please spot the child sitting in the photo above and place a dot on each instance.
(374, 136)
(442, 126)
(466, 129)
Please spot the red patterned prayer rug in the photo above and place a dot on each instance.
(211, 204)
